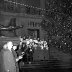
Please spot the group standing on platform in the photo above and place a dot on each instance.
(11, 55)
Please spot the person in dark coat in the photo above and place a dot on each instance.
(1, 57)
(9, 58)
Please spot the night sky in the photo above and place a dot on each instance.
(66, 6)
(63, 6)
(59, 26)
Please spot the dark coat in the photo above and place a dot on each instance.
(1, 63)
(8, 62)
(16, 63)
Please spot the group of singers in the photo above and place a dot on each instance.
(9, 57)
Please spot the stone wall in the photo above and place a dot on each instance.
(21, 19)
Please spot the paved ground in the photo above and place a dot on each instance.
(44, 67)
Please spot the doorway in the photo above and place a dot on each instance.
(34, 33)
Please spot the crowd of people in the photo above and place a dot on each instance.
(34, 43)
(11, 55)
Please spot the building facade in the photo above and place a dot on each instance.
(30, 18)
